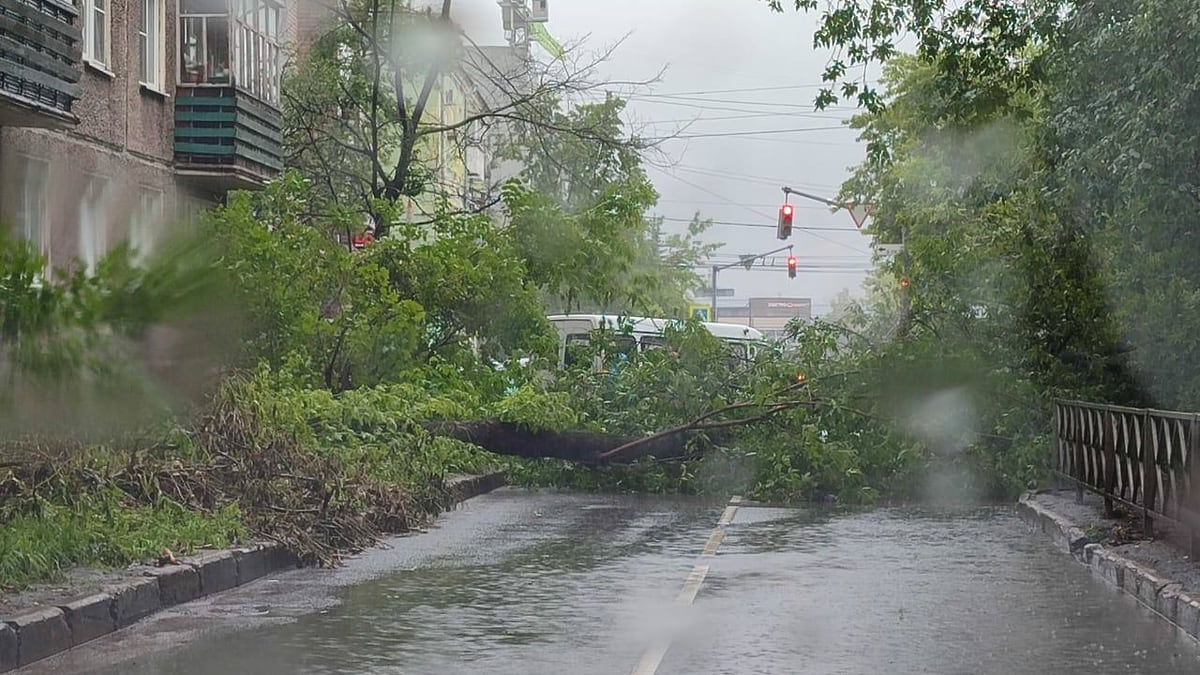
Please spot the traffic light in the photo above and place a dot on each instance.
(785, 221)
(791, 266)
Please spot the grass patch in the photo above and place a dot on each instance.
(102, 530)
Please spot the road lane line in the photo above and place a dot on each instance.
(651, 660)
(727, 516)
(654, 654)
(714, 542)
(687, 595)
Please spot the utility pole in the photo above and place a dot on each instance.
(746, 261)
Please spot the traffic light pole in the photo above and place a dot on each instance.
(789, 191)
(747, 261)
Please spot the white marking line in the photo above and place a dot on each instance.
(654, 654)
(714, 542)
(687, 595)
(651, 660)
(727, 516)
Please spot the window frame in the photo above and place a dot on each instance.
(153, 44)
(254, 45)
(93, 213)
(90, 10)
(34, 166)
(141, 235)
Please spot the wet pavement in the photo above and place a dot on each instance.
(520, 582)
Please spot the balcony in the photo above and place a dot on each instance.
(226, 139)
(40, 63)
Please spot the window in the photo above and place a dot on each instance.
(653, 342)
(146, 219)
(93, 222)
(151, 41)
(576, 350)
(209, 30)
(30, 210)
(95, 31)
(257, 47)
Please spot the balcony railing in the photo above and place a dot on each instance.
(40, 62)
(226, 137)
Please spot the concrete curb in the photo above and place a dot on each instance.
(1153, 590)
(37, 633)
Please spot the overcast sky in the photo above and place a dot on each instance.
(707, 47)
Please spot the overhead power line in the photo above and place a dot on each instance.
(756, 212)
(728, 223)
(763, 132)
(810, 107)
(781, 87)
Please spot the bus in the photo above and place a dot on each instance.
(638, 334)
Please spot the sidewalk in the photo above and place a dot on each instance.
(90, 603)
(1155, 572)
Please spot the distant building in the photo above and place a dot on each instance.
(769, 315)
(119, 117)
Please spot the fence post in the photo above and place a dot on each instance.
(1193, 486)
(1149, 482)
(1109, 444)
(1056, 467)
(1079, 471)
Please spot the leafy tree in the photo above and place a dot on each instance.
(361, 108)
(579, 215)
(979, 46)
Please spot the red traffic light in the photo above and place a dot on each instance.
(785, 221)
(791, 262)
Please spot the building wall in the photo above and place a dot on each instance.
(125, 135)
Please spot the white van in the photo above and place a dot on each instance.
(643, 333)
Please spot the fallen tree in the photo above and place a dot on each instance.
(594, 448)
(584, 447)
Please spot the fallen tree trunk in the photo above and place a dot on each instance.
(585, 447)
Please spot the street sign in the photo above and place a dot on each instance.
(888, 249)
(859, 212)
(706, 292)
(700, 311)
(748, 261)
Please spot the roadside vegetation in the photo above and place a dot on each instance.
(263, 377)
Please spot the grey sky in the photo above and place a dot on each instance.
(709, 45)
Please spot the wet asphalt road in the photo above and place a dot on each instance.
(520, 582)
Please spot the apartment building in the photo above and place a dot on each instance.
(120, 118)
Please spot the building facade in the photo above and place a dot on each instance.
(769, 315)
(120, 118)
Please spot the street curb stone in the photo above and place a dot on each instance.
(134, 600)
(32, 635)
(251, 563)
(8, 648)
(176, 584)
(40, 633)
(1162, 595)
(89, 617)
(217, 569)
